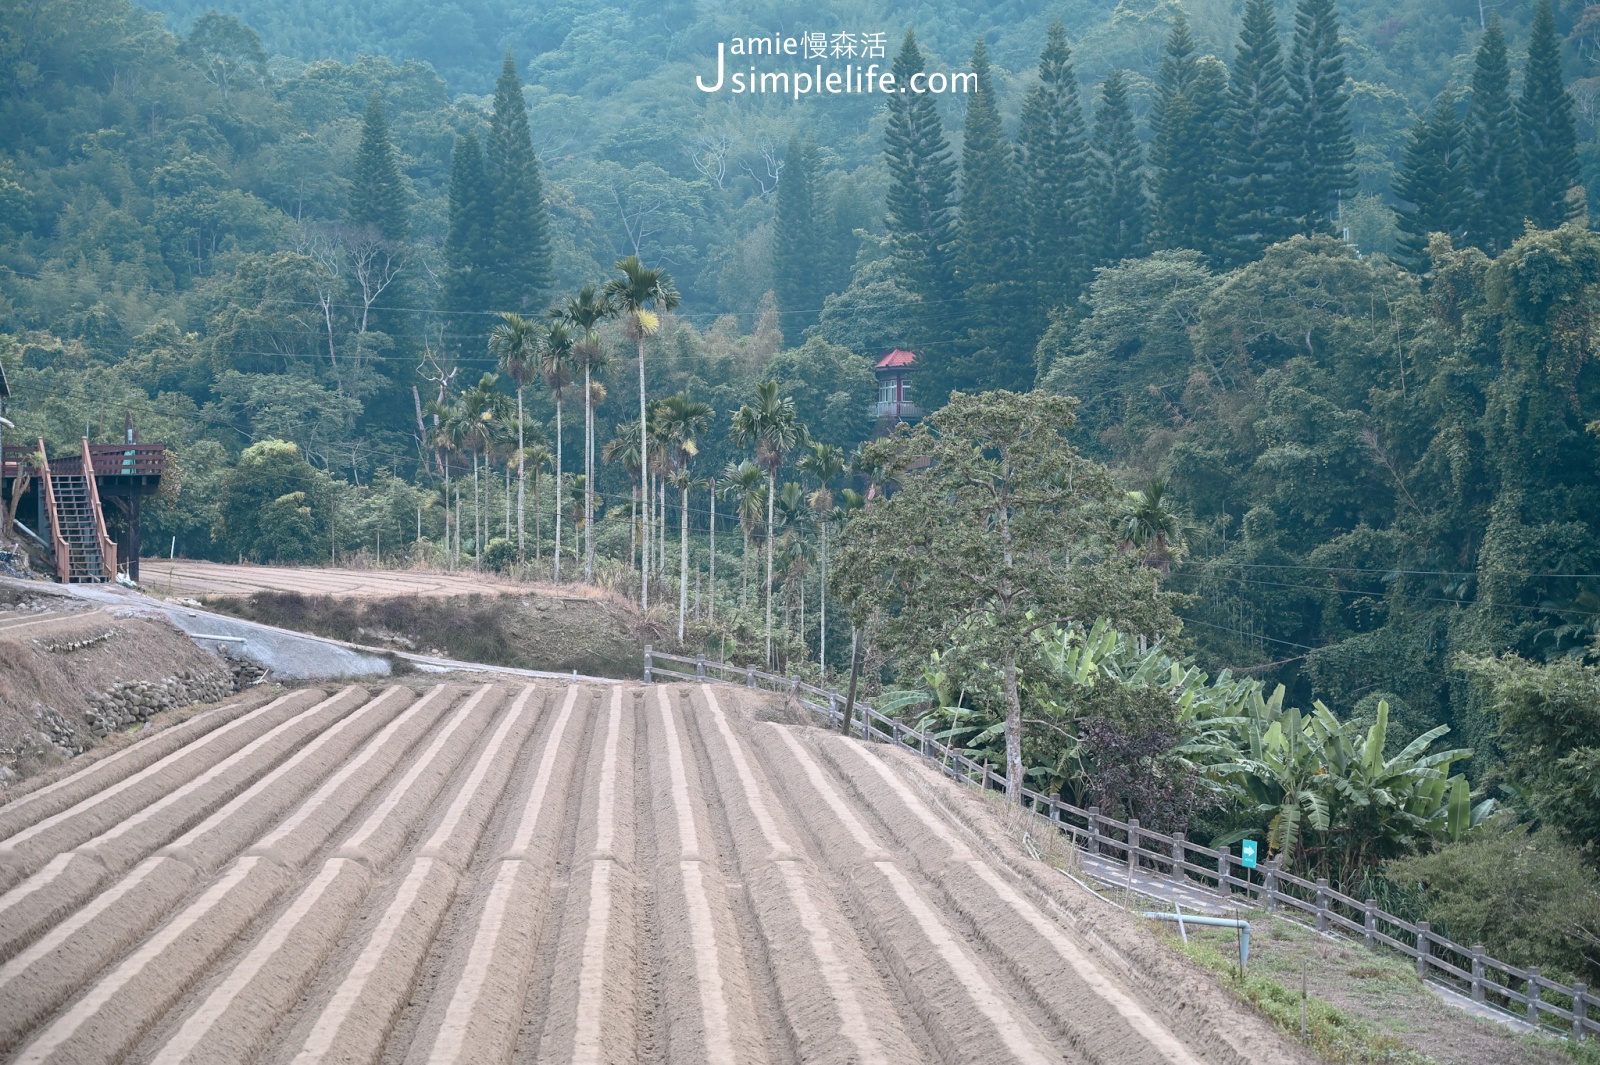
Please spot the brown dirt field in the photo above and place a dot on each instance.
(200, 580)
(477, 872)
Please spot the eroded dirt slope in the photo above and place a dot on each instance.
(559, 874)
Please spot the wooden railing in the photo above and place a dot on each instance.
(1469, 970)
(58, 542)
(108, 547)
(108, 460)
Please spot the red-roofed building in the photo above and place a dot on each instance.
(894, 372)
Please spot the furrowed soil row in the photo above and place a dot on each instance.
(566, 874)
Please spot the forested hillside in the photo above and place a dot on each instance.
(1297, 302)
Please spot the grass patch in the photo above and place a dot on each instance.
(1330, 1032)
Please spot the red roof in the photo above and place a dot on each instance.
(897, 358)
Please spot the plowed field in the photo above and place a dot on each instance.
(578, 874)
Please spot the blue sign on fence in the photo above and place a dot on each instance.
(1248, 854)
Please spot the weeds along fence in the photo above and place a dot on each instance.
(1522, 991)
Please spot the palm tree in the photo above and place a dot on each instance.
(1150, 523)
(447, 437)
(516, 343)
(680, 420)
(772, 426)
(826, 463)
(795, 516)
(583, 314)
(640, 295)
(537, 457)
(483, 412)
(624, 448)
(555, 361)
(741, 486)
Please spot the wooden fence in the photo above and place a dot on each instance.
(1468, 970)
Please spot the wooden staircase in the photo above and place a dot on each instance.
(84, 552)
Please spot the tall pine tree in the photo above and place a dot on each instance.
(378, 194)
(1055, 165)
(1258, 169)
(1186, 121)
(991, 260)
(1324, 170)
(1494, 149)
(1434, 180)
(1121, 210)
(468, 251)
(922, 190)
(1549, 141)
(520, 243)
(802, 253)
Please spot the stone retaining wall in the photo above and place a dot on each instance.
(135, 701)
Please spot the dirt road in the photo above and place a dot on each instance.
(186, 577)
(570, 874)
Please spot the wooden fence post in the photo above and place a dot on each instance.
(1369, 921)
(1269, 885)
(1178, 840)
(1133, 843)
(1322, 904)
(1423, 947)
(1477, 972)
(700, 666)
(1094, 830)
(1580, 1012)
(1533, 994)
(1222, 874)
(649, 676)
(749, 676)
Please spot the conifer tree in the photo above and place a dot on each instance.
(1053, 153)
(1434, 179)
(802, 253)
(1121, 203)
(1324, 170)
(1261, 140)
(990, 259)
(1494, 149)
(1549, 141)
(377, 191)
(467, 247)
(519, 244)
(1185, 155)
(922, 186)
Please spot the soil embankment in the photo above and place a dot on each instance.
(73, 677)
(557, 634)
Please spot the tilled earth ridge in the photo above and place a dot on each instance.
(568, 874)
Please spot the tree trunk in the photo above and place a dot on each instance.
(772, 491)
(711, 605)
(556, 509)
(744, 568)
(683, 561)
(822, 606)
(1013, 729)
(522, 488)
(644, 473)
(588, 474)
(538, 523)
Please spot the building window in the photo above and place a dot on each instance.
(886, 390)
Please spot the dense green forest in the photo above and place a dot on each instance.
(1295, 304)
